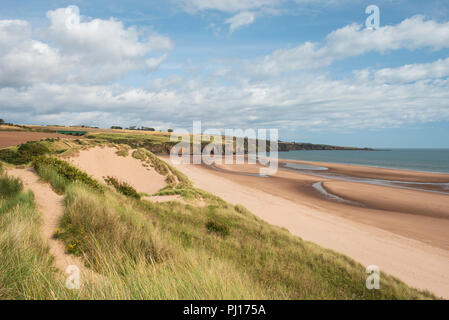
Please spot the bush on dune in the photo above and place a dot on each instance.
(60, 173)
(24, 153)
(122, 187)
(9, 187)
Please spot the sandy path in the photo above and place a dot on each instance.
(51, 206)
(102, 162)
(159, 199)
(416, 263)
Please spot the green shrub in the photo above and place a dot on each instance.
(242, 210)
(48, 173)
(24, 154)
(159, 165)
(32, 149)
(122, 187)
(218, 227)
(12, 157)
(9, 186)
(67, 171)
(170, 179)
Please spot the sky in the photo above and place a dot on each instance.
(311, 69)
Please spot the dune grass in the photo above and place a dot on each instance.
(117, 240)
(224, 251)
(60, 173)
(155, 142)
(144, 250)
(26, 270)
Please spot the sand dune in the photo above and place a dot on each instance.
(102, 162)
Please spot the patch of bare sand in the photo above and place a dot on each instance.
(102, 162)
(416, 263)
(51, 206)
(158, 199)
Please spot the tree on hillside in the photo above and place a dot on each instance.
(2, 121)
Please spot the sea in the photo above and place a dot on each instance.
(428, 160)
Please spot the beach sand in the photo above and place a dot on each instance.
(404, 232)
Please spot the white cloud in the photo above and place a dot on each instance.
(354, 40)
(39, 80)
(105, 46)
(239, 20)
(74, 49)
(309, 101)
(414, 72)
(23, 60)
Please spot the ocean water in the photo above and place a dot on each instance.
(431, 160)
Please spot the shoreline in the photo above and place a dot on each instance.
(365, 165)
(408, 240)
(405, 174)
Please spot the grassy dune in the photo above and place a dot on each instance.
(26, 270)
(145, 250)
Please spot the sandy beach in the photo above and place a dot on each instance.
(404, 232)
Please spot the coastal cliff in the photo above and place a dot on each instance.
(290, 146)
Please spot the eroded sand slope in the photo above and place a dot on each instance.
(102, 162)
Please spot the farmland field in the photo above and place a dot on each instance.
(13, 138)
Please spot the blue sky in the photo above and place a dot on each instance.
(308, 68)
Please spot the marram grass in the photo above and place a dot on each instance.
(143, 250)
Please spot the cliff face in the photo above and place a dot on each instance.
(289, 146)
